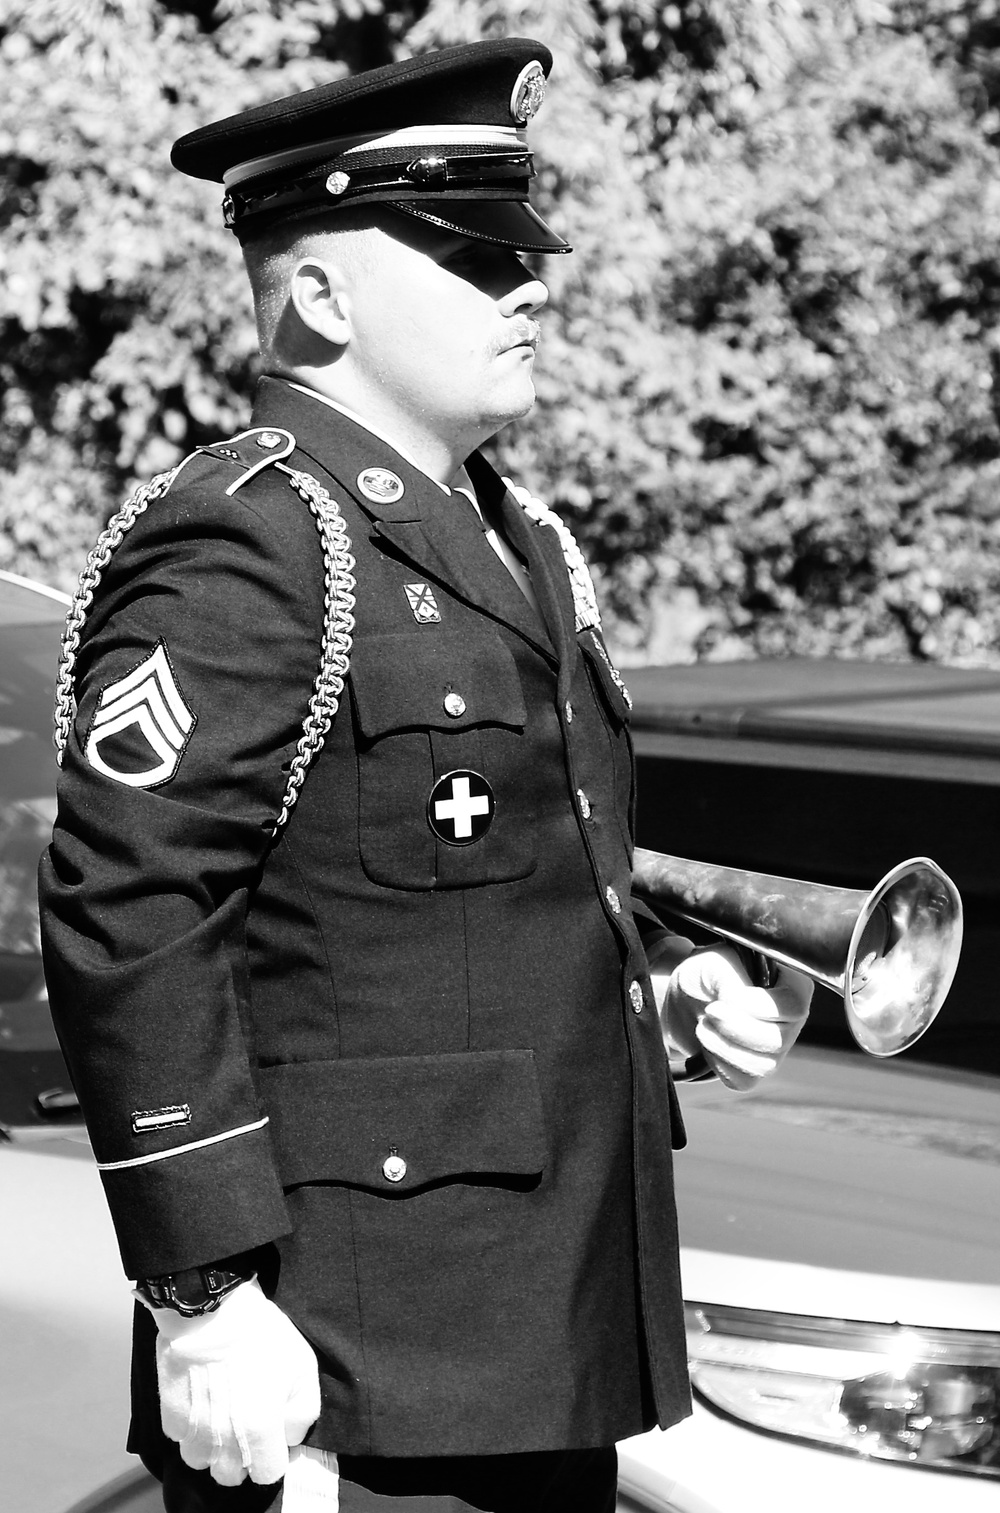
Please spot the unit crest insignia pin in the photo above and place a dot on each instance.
(380, 486)
(461, 807)
(423, 603)
(148, 699)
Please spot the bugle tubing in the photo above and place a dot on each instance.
(891, 954)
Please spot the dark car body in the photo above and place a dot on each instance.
(835, 771)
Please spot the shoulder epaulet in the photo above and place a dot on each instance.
(253, 451)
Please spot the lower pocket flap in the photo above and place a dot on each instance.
(395, 1123)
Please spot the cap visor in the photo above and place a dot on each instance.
(510, 223)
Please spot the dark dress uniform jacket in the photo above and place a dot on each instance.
(257, 1027)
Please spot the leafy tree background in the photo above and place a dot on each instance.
(770, 374)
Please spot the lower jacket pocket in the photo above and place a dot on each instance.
(393, 1124)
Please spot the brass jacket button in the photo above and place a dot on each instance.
(394, 1168)
(454, 705)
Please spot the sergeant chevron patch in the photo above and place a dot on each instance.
(142, 715)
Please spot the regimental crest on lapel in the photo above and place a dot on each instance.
(422, 602)
(380, 485)
(142, 715)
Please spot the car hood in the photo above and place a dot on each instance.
(846, 1187)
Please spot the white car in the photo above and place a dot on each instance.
(841, 1268)
(841, 1230)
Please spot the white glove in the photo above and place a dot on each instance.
(237, 1386)
(707, 1003)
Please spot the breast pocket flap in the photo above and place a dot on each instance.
(436, 680)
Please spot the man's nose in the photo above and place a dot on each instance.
(526, 297)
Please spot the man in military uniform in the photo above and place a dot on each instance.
(337, 914)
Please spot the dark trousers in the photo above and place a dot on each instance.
(547, 1481)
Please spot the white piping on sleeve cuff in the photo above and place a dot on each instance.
(179, 1150)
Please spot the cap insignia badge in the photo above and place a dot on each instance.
(380, 486)
(528, 92)
(337, 182)
(422, 602)
(268, 440)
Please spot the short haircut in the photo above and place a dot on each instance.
(346, 238)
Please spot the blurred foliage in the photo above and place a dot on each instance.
(768, 385)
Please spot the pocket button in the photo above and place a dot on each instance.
(394, 1168)
(454, 705)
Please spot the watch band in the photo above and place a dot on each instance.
(192, 1292)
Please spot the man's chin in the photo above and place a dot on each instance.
(513, 406)
(518, 404)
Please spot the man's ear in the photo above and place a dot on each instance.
(319, 295)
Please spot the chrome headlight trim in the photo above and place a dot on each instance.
(914, 1396)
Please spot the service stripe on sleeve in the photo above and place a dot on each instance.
(179, 1150)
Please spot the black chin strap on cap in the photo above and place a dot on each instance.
(509, 223)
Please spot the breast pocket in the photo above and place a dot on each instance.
(441, 723)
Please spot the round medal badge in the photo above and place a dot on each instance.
(380, 486)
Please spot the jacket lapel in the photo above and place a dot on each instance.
(449, 544)
(541, 550)
(439, 534)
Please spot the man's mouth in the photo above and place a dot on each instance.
(521, 332)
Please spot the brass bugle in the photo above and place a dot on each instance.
(891, 954)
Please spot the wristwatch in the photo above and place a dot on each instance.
(192, 1292)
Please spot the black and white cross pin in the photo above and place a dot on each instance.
(461, 808)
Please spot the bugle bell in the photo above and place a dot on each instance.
(891, 953)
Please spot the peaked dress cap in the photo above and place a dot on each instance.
(441, 137)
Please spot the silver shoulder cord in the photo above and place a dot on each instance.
(338, 619)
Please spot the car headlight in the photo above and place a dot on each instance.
(929, 1397)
